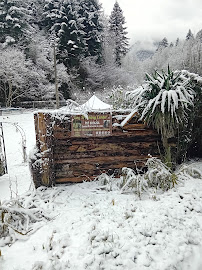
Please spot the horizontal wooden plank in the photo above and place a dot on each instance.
(74, 179)
(69, 169)
(134, 133)
(107, 140)
(75, 172)
(62, 135)
(92, 154)
(88, 176)
(134, 126)
(90, 167)
(101, 160)
(109, 147)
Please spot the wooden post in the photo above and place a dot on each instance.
(56, 81)
(45, 148)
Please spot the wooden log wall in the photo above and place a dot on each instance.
(74, 159)
(43, 164)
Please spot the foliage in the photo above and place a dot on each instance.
(189, 142)
(90, 13)
(19, 78)
(163, 44)
(133, 181)
(61, 19)
(156, 177)
(159, 175)
(75, 27)
(167, 96)
(21, 217)
(189, 35)
(164, 103)
(118, 32)
(116, 97)
(12, 22)
(121, 97)
(171, 103)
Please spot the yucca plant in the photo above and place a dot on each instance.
(164, 104)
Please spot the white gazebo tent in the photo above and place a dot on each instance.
(94, 104)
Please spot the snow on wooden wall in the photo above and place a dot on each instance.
(61, 158)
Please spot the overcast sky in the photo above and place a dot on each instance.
(156, 19)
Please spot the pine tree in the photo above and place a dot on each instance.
(90, 14)
(71, 42)
(189, 35)
(199, 36)
(118, 32)
(177, 42)
(76, 28)
(162, 44)
(52, 17)
(12, 22)
(35, 9)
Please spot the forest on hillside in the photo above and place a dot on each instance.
(92, 51)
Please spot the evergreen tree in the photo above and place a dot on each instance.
(177, 42)
(199, 36)
(162, 44)
(35, 10)
(52, 17)
(189, 35)
(118, 32)
(76, 26)
(12, 21)
(90, 14)
(71, 42)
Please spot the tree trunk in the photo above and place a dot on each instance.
(168, 157)
(10, 90)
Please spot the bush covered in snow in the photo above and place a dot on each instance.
(22, 216)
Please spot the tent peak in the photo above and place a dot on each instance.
(95, 104)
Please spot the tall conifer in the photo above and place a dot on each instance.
(90, 13)
(118, 32)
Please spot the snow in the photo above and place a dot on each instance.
(70, 42)
(128, 117)
(18, 172)
(97, 228)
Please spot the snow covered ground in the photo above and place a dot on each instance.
(93, 229)
(18, 178)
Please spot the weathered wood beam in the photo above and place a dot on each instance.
(45, 147)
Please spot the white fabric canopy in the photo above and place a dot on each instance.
(94, 104)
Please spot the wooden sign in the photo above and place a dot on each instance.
(97, 125)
